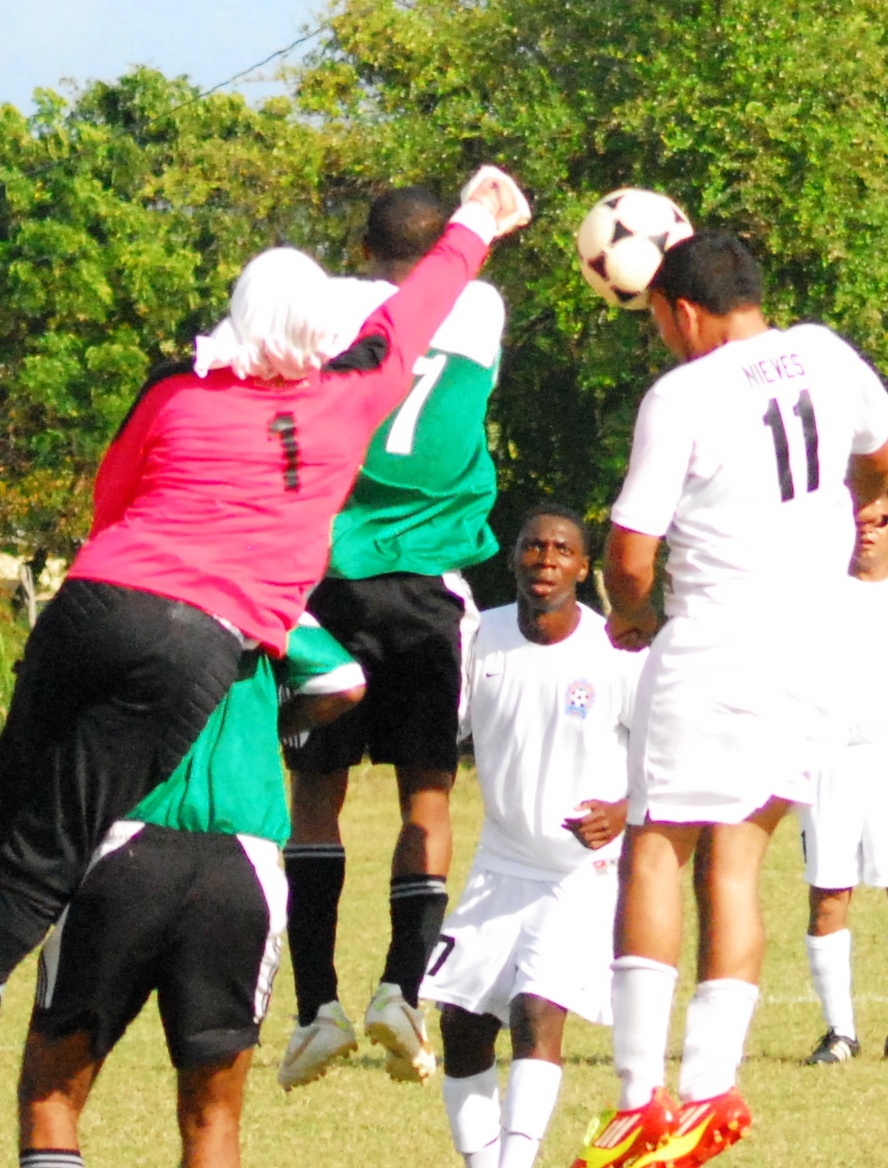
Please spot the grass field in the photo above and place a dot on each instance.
(811, 1117)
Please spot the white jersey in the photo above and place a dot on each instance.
(550, 728)
(739, 458)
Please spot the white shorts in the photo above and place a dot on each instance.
(510, 936)
(730, 713)
(845, 832)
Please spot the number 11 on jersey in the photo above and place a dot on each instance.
(804, 411)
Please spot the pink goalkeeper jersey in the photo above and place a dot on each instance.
(221, 493)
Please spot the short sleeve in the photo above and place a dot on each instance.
(658, 466)
(630, 666)
(871, 429)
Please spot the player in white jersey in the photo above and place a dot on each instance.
(739, 460)
(845, 831)
(549, 705)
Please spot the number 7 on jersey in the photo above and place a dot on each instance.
(403, 431)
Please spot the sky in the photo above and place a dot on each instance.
(44, 41)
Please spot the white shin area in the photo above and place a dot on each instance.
(642, 1002)
(531, 1094)
(829, 959)
(718, 1020)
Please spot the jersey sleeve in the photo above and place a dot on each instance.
(474, 327)
(630, 666)
(120, 471)
(871, 430)
(355, 300)
(658, 466)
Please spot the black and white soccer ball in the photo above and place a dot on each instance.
(622, 241)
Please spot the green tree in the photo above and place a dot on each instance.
(125, 215)
(123, 220)
(764, 118)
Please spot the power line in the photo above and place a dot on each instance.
(148, 122)
(243, 73)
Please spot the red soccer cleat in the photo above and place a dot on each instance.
(704, 1129)
(617, 1139)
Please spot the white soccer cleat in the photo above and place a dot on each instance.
(313, 1048)
(391, 1022)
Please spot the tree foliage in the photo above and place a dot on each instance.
(759, 117)
(123, 221)
(125, 216)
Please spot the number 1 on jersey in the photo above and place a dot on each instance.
(284, 425)
(804, 411)
(403, 431)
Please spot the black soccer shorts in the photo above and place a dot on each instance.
(404, 630)
(191, 915)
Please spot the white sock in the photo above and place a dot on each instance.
(642, 1002)
(485, 1157)
(718, 1019)
(473, 1111)
(531, 1093)
(830, 960)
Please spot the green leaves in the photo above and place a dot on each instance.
(125, 216)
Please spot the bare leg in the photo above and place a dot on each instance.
(537, 1027)
(56, 1079)
(209, 1110)
(732, 932)
(648, 922)
(316, 804)
(828, 910)
(304, 711)
(425, 843)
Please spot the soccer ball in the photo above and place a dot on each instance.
(622, 241)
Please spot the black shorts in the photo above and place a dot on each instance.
(183, 913)
(114, 688)
(404, 630)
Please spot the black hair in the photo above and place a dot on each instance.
(404, 224)
(711, 269)
(560, 512)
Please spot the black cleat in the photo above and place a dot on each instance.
(835, 1048)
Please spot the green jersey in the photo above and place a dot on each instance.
(421, 500)
(231, 781)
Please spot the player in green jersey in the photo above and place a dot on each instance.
(184, 896)
(395, 598)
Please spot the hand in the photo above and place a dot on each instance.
(501, 196)
(601, 823)
(632, 633)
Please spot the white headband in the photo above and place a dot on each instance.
(279, 321)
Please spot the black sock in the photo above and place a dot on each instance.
(418, 903)
(315, 875)
(50, 1158)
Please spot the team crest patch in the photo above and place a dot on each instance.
(580, 698)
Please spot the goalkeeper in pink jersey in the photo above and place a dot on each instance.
(212, 518)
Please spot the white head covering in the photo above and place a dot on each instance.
(279, 323)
